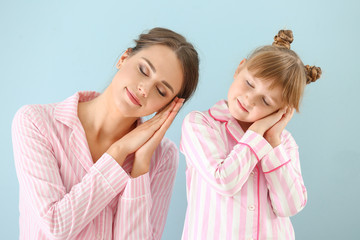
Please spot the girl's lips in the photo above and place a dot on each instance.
(133, 98)
(241, 106)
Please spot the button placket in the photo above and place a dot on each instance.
(251, 207)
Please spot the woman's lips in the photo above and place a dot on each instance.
(241, 106)
(133, 98)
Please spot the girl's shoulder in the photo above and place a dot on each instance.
(218, 114)
(287, 139)
(198, 117)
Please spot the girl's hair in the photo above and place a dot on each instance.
(184, 50)
(284, 67)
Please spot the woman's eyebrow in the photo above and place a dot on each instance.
(168, 85)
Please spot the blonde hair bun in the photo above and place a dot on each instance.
(313, 73)
(283, 39)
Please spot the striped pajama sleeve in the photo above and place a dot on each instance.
(202, 144)
(282, 171)
(61, 214)
(143, 206)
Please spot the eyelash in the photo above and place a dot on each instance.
(249, 84)
(265, 102)
(142, 71)
(161, 93)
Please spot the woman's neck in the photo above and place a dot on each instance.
(101, 120)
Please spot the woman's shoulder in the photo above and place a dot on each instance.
(167, 146)
(166, 155)
(37, 113)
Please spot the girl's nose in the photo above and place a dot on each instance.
(250, 100)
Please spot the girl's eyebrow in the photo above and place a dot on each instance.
(154, 70)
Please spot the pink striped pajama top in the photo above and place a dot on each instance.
(238, 186)
(64, 195)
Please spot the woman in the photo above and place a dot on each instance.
(88, 168)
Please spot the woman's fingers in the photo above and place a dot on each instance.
(172, 115)
(159, 134)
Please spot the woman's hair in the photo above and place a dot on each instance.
(284, 67)
(184, 50)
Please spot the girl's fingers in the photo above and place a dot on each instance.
(275, 117)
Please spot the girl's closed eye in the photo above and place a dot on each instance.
(265, 102)
(249, 84)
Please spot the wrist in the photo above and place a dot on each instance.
(256, 129)
(141, 165)
(118, 153)
(273, 141)
(139, 170)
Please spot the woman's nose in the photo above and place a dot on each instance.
(143, 90)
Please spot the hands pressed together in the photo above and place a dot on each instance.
(145, 138)
(272, 125)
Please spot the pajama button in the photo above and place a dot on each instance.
(252, 173)
(251, 207)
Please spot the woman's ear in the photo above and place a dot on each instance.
(123, 57)
(241, 64)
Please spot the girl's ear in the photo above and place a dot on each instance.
(123, 57)
(241, 64)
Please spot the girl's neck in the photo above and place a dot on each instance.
(245, 125)
(101, 120)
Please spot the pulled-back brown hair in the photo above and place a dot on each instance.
(283, 67)
(184, 50)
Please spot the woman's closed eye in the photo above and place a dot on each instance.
(143, 70)
(162, 93)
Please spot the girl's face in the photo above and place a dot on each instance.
(146, 81)
(250, 98)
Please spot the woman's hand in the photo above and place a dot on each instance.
(272, 126)
(144, 153)
(139, 136)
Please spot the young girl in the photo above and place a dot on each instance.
(243, 171)
(87, 167)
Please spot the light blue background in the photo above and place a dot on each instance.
(51, 49)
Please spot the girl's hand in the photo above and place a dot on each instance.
(273, 135)
(264, 124)
(144, 153)
(271, 126)
(138, 136)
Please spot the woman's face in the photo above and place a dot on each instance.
(250, 98)
(146, 81)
